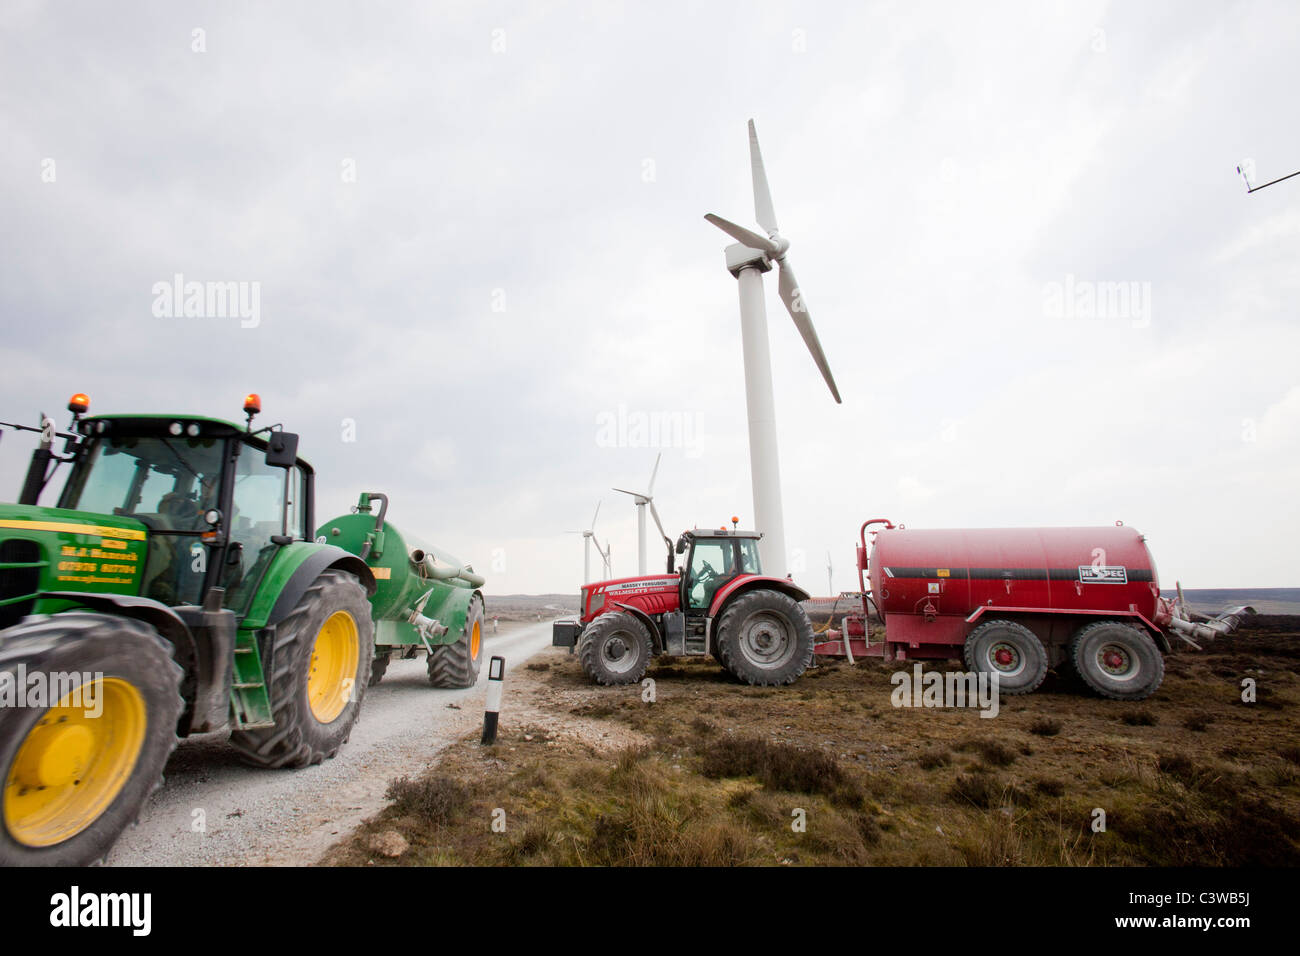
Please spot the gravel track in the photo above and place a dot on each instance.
(291, 817)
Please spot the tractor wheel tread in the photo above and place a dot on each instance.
(379, 666)
(593, 640)
(116, 646)
(455, 665)
(732, 656)
(296, 739)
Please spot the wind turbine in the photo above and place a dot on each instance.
(747, 260)
(830, 577)
(644, 498)
(588, 537)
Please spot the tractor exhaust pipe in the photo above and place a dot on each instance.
(429, 568)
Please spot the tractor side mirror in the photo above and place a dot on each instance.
(282, 449)
(681, 545)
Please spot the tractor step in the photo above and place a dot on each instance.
(250, 702)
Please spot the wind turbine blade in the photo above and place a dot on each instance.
(745, 236)
(635, 494)
(593, 517)
(651, 489)
(788, 286)
(654, 512)
(764, 214)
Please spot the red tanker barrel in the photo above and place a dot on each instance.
(955, 571)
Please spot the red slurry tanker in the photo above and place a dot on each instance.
(1016, 601)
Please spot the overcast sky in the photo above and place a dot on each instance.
(476, 232)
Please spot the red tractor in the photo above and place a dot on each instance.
(719, 602)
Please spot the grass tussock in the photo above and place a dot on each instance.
(779, 766)
(435, 799)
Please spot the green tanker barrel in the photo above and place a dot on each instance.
(410, 575)
(399, 581)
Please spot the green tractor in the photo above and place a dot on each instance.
(180, 586)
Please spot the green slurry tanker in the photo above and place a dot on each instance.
(181, 586)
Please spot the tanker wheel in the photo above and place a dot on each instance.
(457, 665)
(1117, 660)
(1011, 651)
(323, 652)
(78, 770)
(615, 649)
(765, 638)
(379, 666)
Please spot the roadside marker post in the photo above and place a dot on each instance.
(496, 676)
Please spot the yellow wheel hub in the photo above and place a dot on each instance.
(334, 660)
(72, 765)
(475, 641)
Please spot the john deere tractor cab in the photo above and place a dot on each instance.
(719, 603)
(180, 585)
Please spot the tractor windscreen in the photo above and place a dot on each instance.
(165, 483)
(168, 483)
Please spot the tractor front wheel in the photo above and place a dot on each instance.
(615, 649)
(765, 638)
(457, 665)
(1117, 660)
(1011, 651)
(323, 653)
(77, 770)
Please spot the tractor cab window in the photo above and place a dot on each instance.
(712, 564)
(749, 563)
(165, 483)
(267, 501)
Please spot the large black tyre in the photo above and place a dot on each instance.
(1010, 650)
(379, 667)
(323, 652)
(457, 665)
(615, 649)
(764, 637)
(113, 762)
(1117, 660)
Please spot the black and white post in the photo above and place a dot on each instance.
(496, 674)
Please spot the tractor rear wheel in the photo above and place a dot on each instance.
(765, 638)
(323, 651)
(615, 649)
(78, 770)
(379, 667)
(1117, 660)
(457, 665)
(1011, 651)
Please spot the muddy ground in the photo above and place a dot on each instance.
(828, 771)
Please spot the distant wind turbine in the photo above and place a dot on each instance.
(644, 499)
